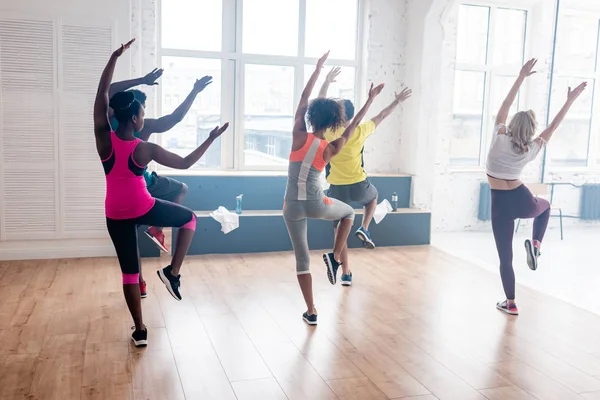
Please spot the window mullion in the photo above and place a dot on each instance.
(485, 120)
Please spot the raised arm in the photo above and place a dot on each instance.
(299, 119)
(101, 122)
(572, 95)
(399, 98)
(149, 79)
(167, 122)
(146, 152)
(329, 79)
(526, 70)
(336, 146)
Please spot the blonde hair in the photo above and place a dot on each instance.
(521, 129)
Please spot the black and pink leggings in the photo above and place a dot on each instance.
(123, 233)
(508, 205)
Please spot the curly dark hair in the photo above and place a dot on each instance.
(324, 114)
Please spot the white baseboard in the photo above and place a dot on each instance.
(50, 249)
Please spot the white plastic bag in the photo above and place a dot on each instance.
(381, 210)
(228, 220)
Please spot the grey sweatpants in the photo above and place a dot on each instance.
(295, 213)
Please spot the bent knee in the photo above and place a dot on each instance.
(350, 216)
(191, 225)
(184, 190)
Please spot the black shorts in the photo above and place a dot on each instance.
(362, 193)
(165, 188)
(123, 232)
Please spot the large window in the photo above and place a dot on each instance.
(576, 60)
(259, 67)
(488, 59)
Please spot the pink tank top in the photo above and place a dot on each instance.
(126, 193)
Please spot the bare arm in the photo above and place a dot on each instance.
(147, 152)
(405, 94)
(167, 122)
(526, 70)
(149, 79)
(571, 97)
(335, 71)
(299, 130)
(336, 146)
(101, 123)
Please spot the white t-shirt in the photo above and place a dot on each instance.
(503, 162)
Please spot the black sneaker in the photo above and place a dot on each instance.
(332, 267)
(309, 319)
(532, 255)
(140, 338)
(172, 283)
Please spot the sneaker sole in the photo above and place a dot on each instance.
(309, 322)
(531, 260)
(330, 274)
(504, 310)
(140, 343)
(143, 296)
(167, 283)
(157, 243)
(368, 244)
(345, 283)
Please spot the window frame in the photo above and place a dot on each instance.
(592, 161)
(233, 63)
(491, 71)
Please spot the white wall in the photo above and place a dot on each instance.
(60, 200)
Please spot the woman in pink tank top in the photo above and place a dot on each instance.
(128, 203)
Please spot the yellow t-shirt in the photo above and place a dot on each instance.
(347, 167)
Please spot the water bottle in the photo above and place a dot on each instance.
(394, 201)
(238, 204)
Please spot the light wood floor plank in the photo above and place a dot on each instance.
(238, 333)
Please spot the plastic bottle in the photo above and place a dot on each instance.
(238, 204)
(394, 201)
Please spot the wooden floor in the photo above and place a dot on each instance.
(418, 324)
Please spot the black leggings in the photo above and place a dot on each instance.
(123, 232)
(508, 205)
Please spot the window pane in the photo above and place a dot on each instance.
(472, 32)
(177, 82)
(266, 35)
(500, 86)
(342, 88)
(509, 36)
(268, 115)
(576, 41)
(324, 33)
(468, 114)
(181, 28)
(570, 142)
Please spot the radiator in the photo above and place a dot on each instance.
(485, 202)
(590, 201)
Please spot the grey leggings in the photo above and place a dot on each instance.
(295, 213)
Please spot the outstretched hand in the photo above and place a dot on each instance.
(322, 60)
(118, 52)
(151, 77)
(335, 71)
(574, 94)
(374, 91)
(403, 95)
(218, 131)
(202, 83)
(527, 69)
